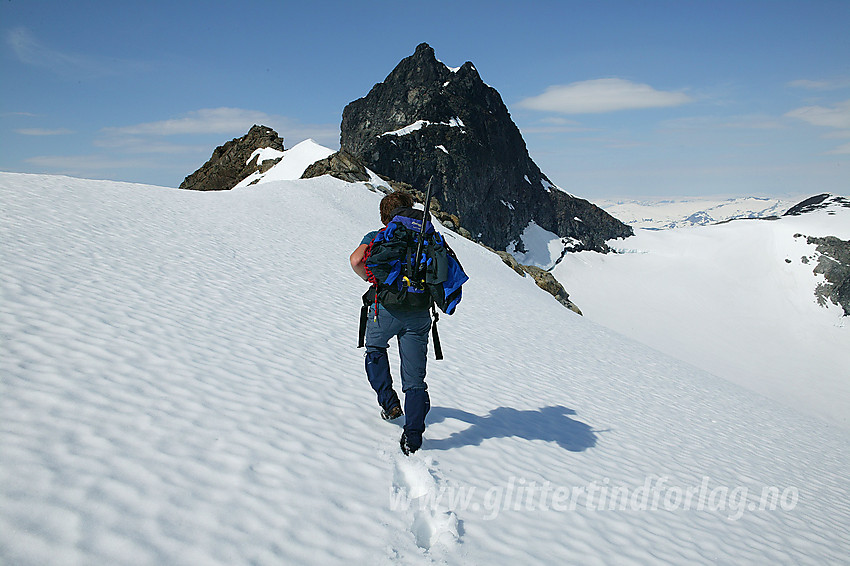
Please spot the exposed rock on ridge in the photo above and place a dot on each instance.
(544, 279)
(832, 255)
(229, 162)
(834, 265)
(426, 119)
(341, 165)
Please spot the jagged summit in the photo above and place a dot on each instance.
(426, 119)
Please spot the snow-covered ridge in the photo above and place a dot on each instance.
(419, 124)
(294, 161)
(265, 154)
(170, 396)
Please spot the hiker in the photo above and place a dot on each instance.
(410, 323)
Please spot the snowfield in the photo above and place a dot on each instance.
(735, 299)
(180, 385)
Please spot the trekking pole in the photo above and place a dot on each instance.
(438, 349)
(425, 216)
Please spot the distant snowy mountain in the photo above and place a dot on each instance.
(666, 213)
(542, 248)
(179, 385)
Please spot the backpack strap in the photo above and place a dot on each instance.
(438, 349)
(364, 315)
(374, 281)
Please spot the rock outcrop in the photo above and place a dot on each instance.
(832, 255)
(229, 162)
(426, 119)
(341, 165)
(833, 262)
(544, 279)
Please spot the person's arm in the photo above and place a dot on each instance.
(358, 261)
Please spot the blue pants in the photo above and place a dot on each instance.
(411, 330)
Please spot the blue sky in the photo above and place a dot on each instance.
(614, 98)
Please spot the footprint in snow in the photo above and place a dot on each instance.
(420, 493)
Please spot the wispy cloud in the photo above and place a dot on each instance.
(827, 84)
(81, 164)
(29, 50)
(204, 121)
(44, 132)
(142, 145)
(555, 129)
(739, 122)
(223, 121)
(601, 96)
(19, 115)
(837, 135)
(835, 116)
(843, 149)
(554, 125)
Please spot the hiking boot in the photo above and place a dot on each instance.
(392, 413)
(408, 447)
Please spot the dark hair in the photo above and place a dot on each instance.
(393, 201)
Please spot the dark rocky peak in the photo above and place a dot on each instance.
(421, 67)
(229, 162)
(427, 120)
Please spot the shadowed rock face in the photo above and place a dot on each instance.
(229, 162)
(426, 119)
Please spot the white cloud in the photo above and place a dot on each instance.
(836, 116)
(828, 84)
(44, 132)
(31, 51)
(223, 121)
(602, 95)
(204, 121)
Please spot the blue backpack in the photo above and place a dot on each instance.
(402, 281)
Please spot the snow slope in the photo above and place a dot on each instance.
(664, 213)
(735, 299)
(180, 386)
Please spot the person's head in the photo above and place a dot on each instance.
(393, 201)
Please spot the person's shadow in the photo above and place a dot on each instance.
(547, 423)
